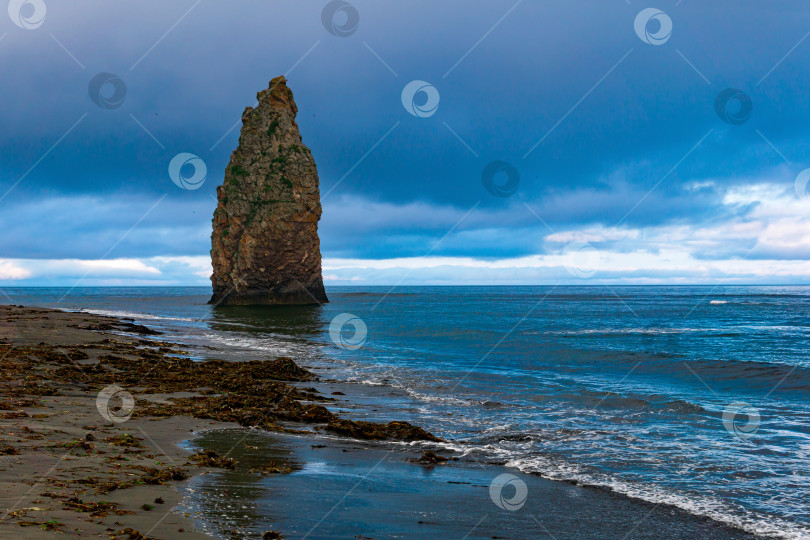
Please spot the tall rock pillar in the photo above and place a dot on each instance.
(265, 247)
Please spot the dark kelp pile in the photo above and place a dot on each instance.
(252, 394)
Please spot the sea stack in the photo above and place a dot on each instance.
(265, 247)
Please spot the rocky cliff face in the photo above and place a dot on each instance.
(265, 246)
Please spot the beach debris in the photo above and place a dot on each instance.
(14, 404)
(126, 439)
(399, 431)
(95, 509)
(151, 476)
(155, 475)
(75, 444)
(209, 458)
(271, 468)
(51, 525)
(284, 368)
(272, 535)
(114, 325)
(130, 534)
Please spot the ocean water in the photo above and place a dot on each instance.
(697, 397)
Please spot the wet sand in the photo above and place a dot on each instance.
(54, 443)
(350, 489)
(67, 468)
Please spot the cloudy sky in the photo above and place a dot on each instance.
(574, 141)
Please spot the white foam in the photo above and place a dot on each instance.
(698, 505)
(437, 399)
(136, 316)
(273, 346)
(648, 331)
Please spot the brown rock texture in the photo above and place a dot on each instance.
(265, 246)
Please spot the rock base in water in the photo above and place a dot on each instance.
(303, 296)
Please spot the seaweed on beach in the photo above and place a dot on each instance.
(75, 444)
(14, 404)
(130, 534)
(401, 431)
(209, 458)
(127, 439)
(95, 509)
(285, 369)
(271, 468)
(117, 326)
(252, 393)
(151, 476)
(51, 525)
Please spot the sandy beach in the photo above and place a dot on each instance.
(55, 443)
(76, 461)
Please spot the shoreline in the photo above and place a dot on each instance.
(82, 460)
(54, 439)
(163, 419)
(352, 489)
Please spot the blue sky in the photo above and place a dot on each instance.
(627, 172)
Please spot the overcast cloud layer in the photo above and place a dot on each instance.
(627, 172)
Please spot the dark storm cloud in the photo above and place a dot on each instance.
(590, 116)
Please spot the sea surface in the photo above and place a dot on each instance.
(697, 397)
